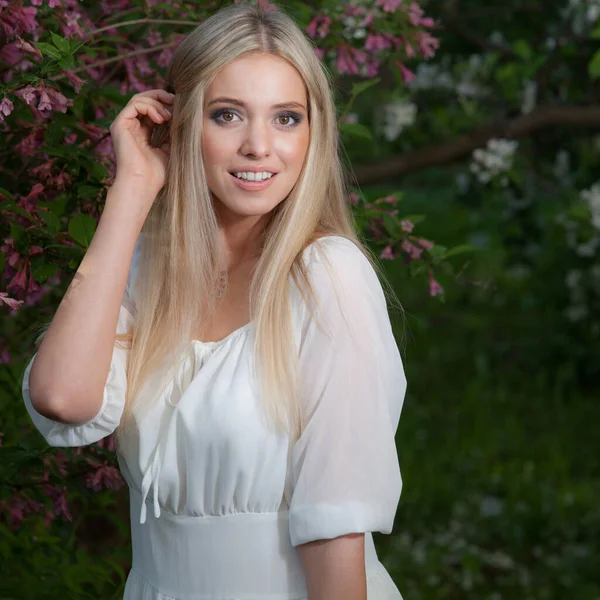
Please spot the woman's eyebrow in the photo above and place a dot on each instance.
(243, 104)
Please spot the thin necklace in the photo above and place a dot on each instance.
(224, 279)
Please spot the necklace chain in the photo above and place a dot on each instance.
(223, 280)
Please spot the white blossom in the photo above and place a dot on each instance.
(395, 116)
(576, 313)
(573, 278)
(592, 197)
(529, 98)
(496, 159)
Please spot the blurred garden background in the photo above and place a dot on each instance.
(472, 131)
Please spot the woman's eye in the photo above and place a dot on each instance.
(286, 120)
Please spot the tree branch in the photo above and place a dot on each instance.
(108, 61)
(452, 150)
(137, 22)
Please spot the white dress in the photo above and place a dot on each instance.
(217, 503)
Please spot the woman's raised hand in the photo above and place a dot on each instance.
(138, 163)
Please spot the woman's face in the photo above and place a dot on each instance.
(255, 121)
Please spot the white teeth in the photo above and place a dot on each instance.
(254, 176)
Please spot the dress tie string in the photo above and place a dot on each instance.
(191, 363)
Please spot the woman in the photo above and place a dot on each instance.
(256, 402)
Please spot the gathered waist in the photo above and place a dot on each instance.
(245, 556)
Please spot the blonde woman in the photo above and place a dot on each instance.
(254, 384)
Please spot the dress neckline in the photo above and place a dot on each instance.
(215, 343)
(244, 328)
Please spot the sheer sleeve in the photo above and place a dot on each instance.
(109, 415)
(345, 471)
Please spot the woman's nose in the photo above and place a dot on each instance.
(257, 139)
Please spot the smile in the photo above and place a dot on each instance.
(253, 186)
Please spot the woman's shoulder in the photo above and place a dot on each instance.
(338, 252)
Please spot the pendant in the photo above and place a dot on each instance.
(222, 284)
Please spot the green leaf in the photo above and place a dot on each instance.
(6, 193)
(416, 219)
(59, 205)
(82, 228)
(594, 66)
(300, 12)
(360, 87)
(17, 232)
(42, 271)
(392, 226)
(47, 49)
(522, 49)
(356, 130)
(66, 62)
(88, 191)
(60, 43)
(596, 33)
(52, 222)
(13, 206)
(461, 249)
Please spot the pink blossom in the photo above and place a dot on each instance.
(320, 53)
(373, 67)
(18, 282)
(76, 81)
(36, 2)
(27, 94)
(21, 44)
(59, 101)
(344, 63)
(407, 74)
(407, 225)
(425, 244)
(154, 38)
(427, 43)
(6, 107)
(10, 54)
(435, 289)
(318, 26)
(389, 6)
(409, 50)
(44, 170)
(415, 13)
(71, 138)
(104, 477)
(71, 26)
(265, 5)
(54, 3)
(18, 19)
(45, 103)
(387, 253)
(165, 56)
(10, 302)
(354, 198)
(9, 248)
(359, 56)
(377, 42)
(29, 144)
(411, 250)
(61, 180)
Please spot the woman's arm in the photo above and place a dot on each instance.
(335, 569)
(71, 366)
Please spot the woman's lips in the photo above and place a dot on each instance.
(253, 186)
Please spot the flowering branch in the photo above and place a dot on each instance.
(137, 22)
(446, 152)
(108, 61)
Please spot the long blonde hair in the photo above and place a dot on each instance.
(181, 253)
